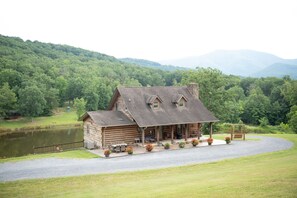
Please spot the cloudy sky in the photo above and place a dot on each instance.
(156, 29)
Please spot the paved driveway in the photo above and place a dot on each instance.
(52, 167)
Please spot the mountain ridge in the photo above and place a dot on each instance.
(235, 62)
(152, 64)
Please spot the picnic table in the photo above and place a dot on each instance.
(118, 147)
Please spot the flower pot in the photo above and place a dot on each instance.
(209, 143)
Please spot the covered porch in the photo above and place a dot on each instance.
(171, 133)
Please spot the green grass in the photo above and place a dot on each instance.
(79, 153)
(223, 135)
(266, 175)
(60, 117)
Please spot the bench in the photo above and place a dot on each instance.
(239, 136)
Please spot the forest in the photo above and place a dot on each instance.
(36, 78)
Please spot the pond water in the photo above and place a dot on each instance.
(23, 143)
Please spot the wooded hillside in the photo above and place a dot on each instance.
(36, 77)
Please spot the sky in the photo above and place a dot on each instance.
(156, 29)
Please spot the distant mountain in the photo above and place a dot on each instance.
(236, 62)
(152, 64)
(278, 70)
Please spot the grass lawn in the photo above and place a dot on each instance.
(223, 135)
(59, 117)
(266, 175)
(79, 153)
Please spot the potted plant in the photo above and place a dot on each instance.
(181, 145)
(228, 140)
(209, 141)
(149, 147)
(107, 153)
(129, 150)
(195, 142)
(167, 146)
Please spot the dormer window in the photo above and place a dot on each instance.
(179, 100)
(154, 101)
(156, 105)
(181, 103)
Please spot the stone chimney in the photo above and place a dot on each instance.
(194, 89)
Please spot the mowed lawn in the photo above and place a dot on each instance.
(73, 154)
(266, 175)
(60, 117)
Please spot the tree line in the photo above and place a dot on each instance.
(36, 78)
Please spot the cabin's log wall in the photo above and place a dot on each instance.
(122, 134)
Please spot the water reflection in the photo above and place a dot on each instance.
(22, 143)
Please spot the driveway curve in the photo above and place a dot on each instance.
(54, 167)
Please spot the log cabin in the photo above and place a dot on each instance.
(147, 114)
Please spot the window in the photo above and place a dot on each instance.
(181, 103)
(156, 105)
(88, 128)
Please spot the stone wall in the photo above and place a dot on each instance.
(92, 134)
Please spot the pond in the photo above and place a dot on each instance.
(23, 143)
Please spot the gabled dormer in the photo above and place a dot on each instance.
(179, 100)
(154, 101)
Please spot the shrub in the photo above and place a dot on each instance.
(209, 141)
(167, 146)
(195, 142)
(228, 140)
(129, 150)
(263, 122)
(107, 153)
(284, 127)
(149, 147)
(181, 145)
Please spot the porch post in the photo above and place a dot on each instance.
(232, 133)
(210, 135)
(171, 134)
(157, 129)
(142, 136)
(103, 138)
(186, 132)
(198, 130)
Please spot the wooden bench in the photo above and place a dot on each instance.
(239, 136)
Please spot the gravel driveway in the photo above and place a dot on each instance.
(53, 167)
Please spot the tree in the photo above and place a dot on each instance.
(61, 85)
(233, 111)
(293, 122)
(92, 99)
(52, 100)
(212, 88)
(255, 107)
(31, 101)
(7, 100)
(80, 105)
(235, 93)
(290, 92)
(292, 116)
(75, 88)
